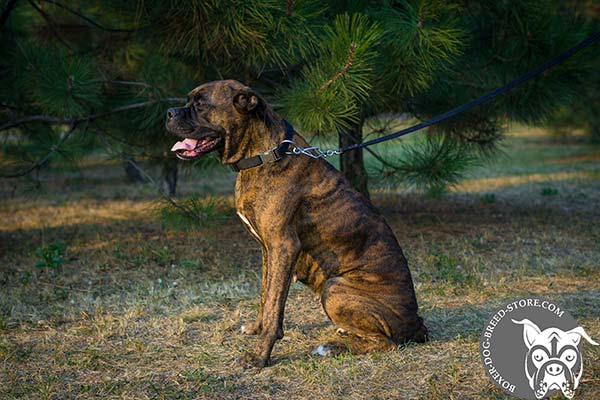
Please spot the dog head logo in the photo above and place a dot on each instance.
(553, 361)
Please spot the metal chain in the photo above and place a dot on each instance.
(312, 151)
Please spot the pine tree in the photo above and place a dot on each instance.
(582, 112)
(429, 57)
(104, 71)
(81, 75)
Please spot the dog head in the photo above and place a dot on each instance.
(216, 117)
(553, 361)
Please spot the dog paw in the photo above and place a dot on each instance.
(251, 328)
(251, 360)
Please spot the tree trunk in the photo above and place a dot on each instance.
(9, 6)
(170, 173)
(132, 173)
(595, 132)
(351, 163)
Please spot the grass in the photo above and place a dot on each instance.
(101, 297)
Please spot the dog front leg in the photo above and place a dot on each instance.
(281, 259)
(255, 328)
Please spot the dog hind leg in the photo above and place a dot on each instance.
(372, 324)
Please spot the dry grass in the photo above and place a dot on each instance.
(139, 310)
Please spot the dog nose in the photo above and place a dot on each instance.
(554, 369)
(171, 113)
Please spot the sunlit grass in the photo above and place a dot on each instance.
(487, 184)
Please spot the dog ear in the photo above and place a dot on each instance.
(530, 331)
(577, 333)
(247, 101)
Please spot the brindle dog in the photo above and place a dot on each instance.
(309, 222)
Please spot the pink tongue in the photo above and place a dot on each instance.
(187, 144)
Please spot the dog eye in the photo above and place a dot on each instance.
(538, 355)
(199, 98)
(201, 102)
(569, 355)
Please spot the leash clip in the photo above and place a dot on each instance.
(312, 151)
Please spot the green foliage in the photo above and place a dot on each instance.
(217, 31)
(549, 191)
(431, 164)
(195, 265)
(50, 257)
(328, 95)
(207, 382)
(447, 271)
(422, 38)
(488, 198)
(57, 83)
(581, 113)
(192, 213)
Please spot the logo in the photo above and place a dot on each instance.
(531, 348)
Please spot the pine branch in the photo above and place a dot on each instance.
(2, 105)
(381, 159)
(128, 83)
(115, 137)
(87, 19)
(123, 108)
(268, 81)
(422, 11)
(61, 121)
(35, 118)
(12, 111)
(344, 69)
(54, 149)
(73, 123)
(50, 25)
(10, 5)
(290, 7)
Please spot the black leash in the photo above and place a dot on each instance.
(480, 100)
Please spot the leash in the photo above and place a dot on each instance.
(316, 152)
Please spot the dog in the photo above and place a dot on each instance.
(310, 223)
(553, 360)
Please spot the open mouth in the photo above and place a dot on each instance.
(189, 149)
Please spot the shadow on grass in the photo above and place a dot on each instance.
(468, 321)
(23, 241)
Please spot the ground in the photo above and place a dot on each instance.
(101, 297)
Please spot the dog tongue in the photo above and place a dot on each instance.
(187, 144)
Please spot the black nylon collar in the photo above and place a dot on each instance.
(268, 156)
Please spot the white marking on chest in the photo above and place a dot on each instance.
(248, 224)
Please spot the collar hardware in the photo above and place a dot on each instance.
(269, 156)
